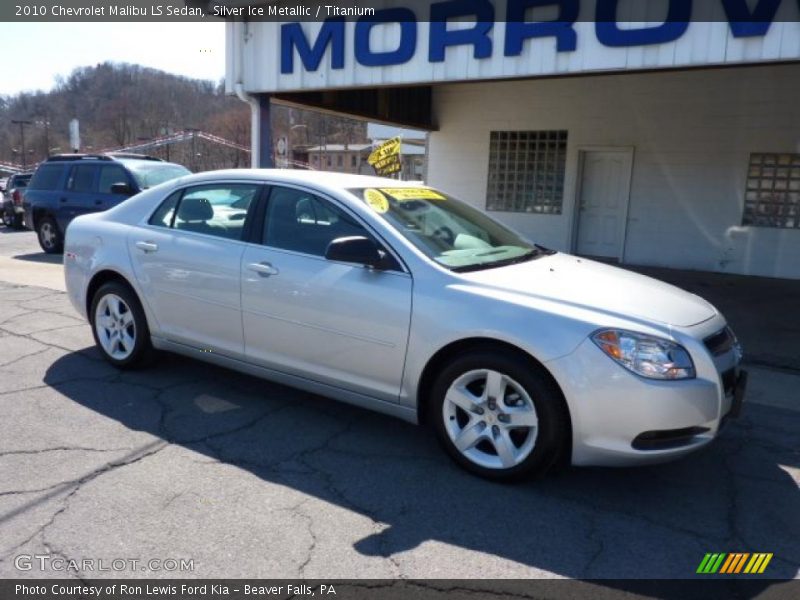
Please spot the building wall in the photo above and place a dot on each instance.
(692, 133)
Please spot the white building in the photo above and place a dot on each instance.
(657, 143)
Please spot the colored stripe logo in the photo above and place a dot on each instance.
(732, 563)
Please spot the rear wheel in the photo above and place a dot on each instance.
(499, 416)
(120, 326)
(16, 222)
(50, 238)
(8, 219)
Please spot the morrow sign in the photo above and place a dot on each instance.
(744, 19)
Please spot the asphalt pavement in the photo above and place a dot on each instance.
(238, 477)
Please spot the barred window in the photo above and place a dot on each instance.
(772, 197)
(526, 171)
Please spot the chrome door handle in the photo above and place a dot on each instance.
(264, 269)
(147, 246)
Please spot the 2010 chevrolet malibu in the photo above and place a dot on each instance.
(402, 299)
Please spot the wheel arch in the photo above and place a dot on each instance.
(101, 278)
(453, 349)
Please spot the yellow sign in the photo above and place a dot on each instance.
(385, 150)
(377, 201)
(385, 159)
(412, 193)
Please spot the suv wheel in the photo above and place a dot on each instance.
(119, 326)
(498, 416)
(8, 219)
(49, 236)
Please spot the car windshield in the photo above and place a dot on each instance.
(149, 174)
(447, 230)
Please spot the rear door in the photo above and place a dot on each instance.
(187, 261)
(80, 196)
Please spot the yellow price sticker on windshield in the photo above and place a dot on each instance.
(377, 201)
(412, 193)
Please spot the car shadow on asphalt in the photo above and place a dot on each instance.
(41, 257)
(588, 523)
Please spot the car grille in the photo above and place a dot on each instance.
(721, 342)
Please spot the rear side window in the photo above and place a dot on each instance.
(82, 178)
(166, 212)
(47, 177)
(109, 175)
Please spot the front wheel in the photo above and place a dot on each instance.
(499, 416)
(120, 327)
(49, 236)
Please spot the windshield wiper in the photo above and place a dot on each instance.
(530, 255)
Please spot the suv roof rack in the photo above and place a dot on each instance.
(65, 157)
(106, 156)
(133, 155)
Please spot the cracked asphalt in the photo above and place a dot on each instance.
(252, 479)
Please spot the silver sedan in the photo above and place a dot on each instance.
(402, 299)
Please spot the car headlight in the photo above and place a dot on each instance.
(651, 357)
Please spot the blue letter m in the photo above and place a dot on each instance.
(292, 36)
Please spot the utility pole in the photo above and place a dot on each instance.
(194, 131)
(22, 124)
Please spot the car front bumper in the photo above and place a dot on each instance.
(620, 418)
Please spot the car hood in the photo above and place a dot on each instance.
(589, 284)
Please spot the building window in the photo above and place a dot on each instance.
(772, 197)
(339, 160)
(353, 160)
(526, 171)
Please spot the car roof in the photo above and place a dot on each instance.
(327, 179)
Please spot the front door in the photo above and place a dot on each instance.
(603, 202)
(336, 323)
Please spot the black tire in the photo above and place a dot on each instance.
(17, 223)
(7, 219)
(552, 434)
(49, 235)
(142, 352)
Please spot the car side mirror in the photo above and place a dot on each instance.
(356, 249)
(121, 188)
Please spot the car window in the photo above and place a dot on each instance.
(81, 178)
(149, 174)
(165, 213)
(109, 175)
(299, 221)
(219, 209)
(47, 177)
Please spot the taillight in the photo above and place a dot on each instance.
(17, 197)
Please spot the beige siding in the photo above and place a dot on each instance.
(692, 132)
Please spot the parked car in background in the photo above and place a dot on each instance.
(403, 299)
(12, 209)
(69, 185)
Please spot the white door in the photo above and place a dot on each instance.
(336, 323)
(603, 202)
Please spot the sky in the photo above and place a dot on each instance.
(35, 53)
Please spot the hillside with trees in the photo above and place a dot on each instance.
(122, 104)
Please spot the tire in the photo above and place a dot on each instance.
(50, 238)
(7, 219)
(17, 223)
(478, 398)
(119, 326)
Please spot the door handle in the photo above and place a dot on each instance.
(147, 246)
(98, 202)
(62, 199)
(264, 269)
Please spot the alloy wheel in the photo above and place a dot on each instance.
(490, 419)
(115, 326)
